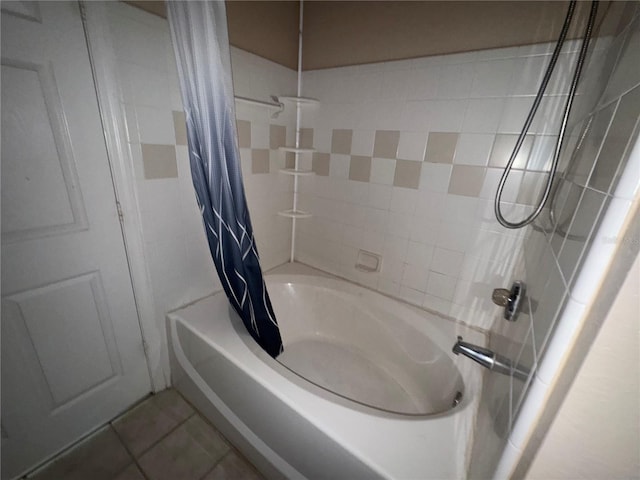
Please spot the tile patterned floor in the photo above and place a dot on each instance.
(162, 438)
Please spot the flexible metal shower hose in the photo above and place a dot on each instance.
(534, 108)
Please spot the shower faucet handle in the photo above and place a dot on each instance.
(500, 296)
(509, 299)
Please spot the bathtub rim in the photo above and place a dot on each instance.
(378, 298)
(378, 460)
(469, 393)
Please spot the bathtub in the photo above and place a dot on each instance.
(367, 387)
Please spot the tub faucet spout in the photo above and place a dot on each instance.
(489, 359)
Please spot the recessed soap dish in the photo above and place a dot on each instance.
(368, 262)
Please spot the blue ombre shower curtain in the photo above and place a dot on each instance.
(201, 45)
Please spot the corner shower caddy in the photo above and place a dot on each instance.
(296, 171)
(294, 213)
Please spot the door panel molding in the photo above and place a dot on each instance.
(40, 336)
(16, 175)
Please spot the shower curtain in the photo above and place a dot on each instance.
(201, 45)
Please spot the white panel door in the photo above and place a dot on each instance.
(72, 353)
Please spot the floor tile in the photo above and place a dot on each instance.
(132, 472)
(143, 426)
(207, 436)
(99, 457)
(233, 467)
(187, 453)
(172, 404)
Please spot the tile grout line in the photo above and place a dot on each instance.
(133, 457)
(152, 445)
(76, 444)
(232, 447)
(216, 463)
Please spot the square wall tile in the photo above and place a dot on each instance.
(483, 115)
(441, 147)
(612, 151)
(180, 127)
(466, 180)
(625, 74)
(339, 165)
(441, 286)
(435, 177)
(454, 81)
(341, 141)
(419, 254)
(362, 143)
(492, 78)
(379, 196)
(260, 135)
(542, 153)
(144, 86)
(431, 205)
(511, 187)
(546, 308)
(586, 216)
(564, 212)
(585, 154)
(277, 136)
(360, 168)
(159, 161)
(528, 73)
(289, 160)
(531, 188)
(155, 125)
(306, 138)
(447, 115)
(503, 147)
(407, 174)
(386, 143)
(447, 262)
(473, 149)
(415, 277)
(383, 171)
(259, 160)
(514, 114)
(320, 164)
(412, 145)
(403, 201)
(322, 139)
(244, 133)
(525, 359)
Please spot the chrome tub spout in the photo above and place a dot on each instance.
(489, 359)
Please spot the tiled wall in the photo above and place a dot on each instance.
(409, 155)
(259, 136)
(553, 253)
(179, 264)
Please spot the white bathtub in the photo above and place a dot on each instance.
(365, 387)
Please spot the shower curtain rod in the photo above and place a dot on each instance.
(261, 103)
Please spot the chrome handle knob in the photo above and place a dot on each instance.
(500, 296)
(509, 299)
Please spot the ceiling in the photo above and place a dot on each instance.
(339, 33)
